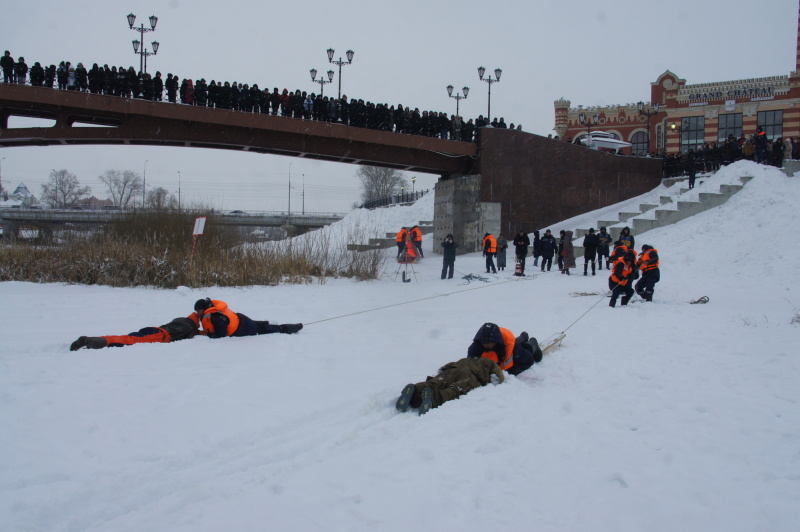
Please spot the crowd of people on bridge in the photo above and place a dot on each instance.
(244, 97)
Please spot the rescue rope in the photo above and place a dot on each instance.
(702, 300)
(409, 302)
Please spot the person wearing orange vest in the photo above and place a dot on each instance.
(177, 329)
(416, 238)
(499, 345)
(219, 321)
(402, 236)
(489, 250)
(648, 263)
(621, 277)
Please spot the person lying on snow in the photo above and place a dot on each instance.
(499, 345)
(218, 321)
(453, 380)
(212, 315)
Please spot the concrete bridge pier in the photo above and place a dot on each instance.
(10, 230)
(459, 211)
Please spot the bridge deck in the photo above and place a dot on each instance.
(143, 122)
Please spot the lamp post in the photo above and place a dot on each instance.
(340, 62)
(322, 81)
(457, 97)
(1, 174)
(139, 43)
(179, 191)
(144, 182)
(584, 122)
(680, 130)
(413, 182)
(490, 81)
(648, 112)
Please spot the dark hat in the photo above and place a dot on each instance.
(602, 227)
(202, 304)
(591, 229)
(489, 332)
(646, 247)
(487, 234)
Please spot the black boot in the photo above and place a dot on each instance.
(427, 401)
(405, 398)
(291, 328)
(593, 268)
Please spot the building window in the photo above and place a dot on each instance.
(692, 133)
(659, 143)
(772, 122)
(639, 144)
(730, 125)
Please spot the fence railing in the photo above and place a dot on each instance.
(394, 199)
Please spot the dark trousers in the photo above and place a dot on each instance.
(400, 247)
(490, 262)
(447, 268)
(645, 287)
(547, 261)
(418, 247)
(626, 291)
(521, 259)
(249, 327)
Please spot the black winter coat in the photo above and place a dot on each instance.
(449, 251)
(549, 246)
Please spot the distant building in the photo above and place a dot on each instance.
(93, 203)
(690, 115)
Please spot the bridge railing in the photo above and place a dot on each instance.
(395, 199)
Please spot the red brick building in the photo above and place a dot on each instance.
(690, 115)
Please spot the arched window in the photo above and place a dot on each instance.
(639, 144)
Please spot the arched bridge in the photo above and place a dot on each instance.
(508, 181)
(143, 122)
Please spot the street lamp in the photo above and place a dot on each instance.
(340, 62)
(1, 174)
(143, 53)
(457, 97)
(587, 123)
(322, 81)
(490, 81)
(179, 191)
(680, 130)
(648, 112)
(413, 182)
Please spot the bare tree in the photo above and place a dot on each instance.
(63, 190)
(157, 199)
(122, 187)
(378, 183)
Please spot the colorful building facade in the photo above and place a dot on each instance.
(690, 115)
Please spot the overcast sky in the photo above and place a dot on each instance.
(590, 52)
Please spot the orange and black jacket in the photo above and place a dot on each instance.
(621, 271)
(217, 320)
(402, 234)
(416, 234)
(502, 353)
(649, 260)
(490, 244)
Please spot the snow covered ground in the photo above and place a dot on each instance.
(660, 417)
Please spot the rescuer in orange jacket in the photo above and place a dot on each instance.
(499, 345)
(177, 329)
(648, 263)
(621, 277)
(218, 321)
(489, 250)
(402, 236)
(416, 238)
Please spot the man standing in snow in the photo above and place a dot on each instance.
(453, 380)
(589, 251)
(621, 277)
(548, 248)
(416, 238)
(521, 243)
(603, 243)
(648, 263)
(448, 256)
(489, 250)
